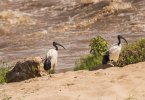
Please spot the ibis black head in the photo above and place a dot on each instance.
(120, 37)
(55, 45)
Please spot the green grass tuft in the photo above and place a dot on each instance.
(98, 47)
(88, 62)
(132, 53)
(3, 72)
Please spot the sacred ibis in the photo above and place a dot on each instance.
(114, 51)
(50, 61)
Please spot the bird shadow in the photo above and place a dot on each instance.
(104, 66)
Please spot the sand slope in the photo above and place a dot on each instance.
(127, 83)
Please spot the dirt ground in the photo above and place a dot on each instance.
(28, 27)
(127, 83)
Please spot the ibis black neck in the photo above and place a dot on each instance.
(55, 45)
(119, 41)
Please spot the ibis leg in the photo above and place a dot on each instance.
(50, 73)
(53, 68)
(112, 63)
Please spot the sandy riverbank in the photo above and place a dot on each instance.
(114, 83)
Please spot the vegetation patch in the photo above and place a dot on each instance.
(98, 46)
(132, 53)
(3, 72)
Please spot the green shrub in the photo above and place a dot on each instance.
(132, 53)
(98, 46)
(88, 62)
(3, 72)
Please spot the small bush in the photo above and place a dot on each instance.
(98, 46)
(3, 72)
(132, 53)
(88, 62)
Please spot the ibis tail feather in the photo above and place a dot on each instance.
(47, 63)
(105, 58)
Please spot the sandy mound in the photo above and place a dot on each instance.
(114, 83)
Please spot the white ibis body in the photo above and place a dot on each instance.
(114, 51)
(51, 58)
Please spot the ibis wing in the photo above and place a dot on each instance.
(114, 52)
(113, 49)
(47, 63)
